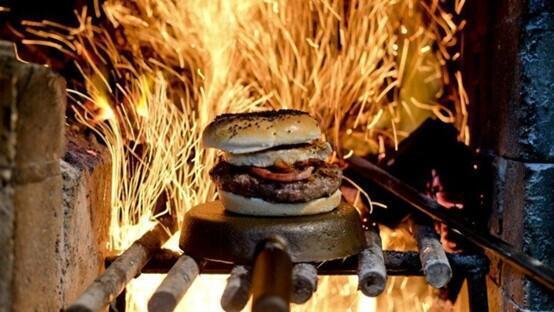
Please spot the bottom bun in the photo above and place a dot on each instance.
(258, 207)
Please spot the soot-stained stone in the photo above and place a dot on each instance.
(541, 6)
(533, 115)
(512, 120)
(523, 217)
(530, 115)
(518, 123)
(86, 219)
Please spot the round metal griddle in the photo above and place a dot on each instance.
(210, 232)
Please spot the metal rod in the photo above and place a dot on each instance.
(433, 258)
(126, 267)
(396, 262)
(272, 278)
(533, 268)
(304, 282)
(237, 291)
(174, 286)
(372, 274)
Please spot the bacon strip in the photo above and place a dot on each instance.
(291, 176)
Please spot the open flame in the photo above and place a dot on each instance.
(156, 71)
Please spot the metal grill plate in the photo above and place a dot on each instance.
(210, 232)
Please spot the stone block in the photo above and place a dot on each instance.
(518, 125)
(533, 184)
(540, 6)
(531, 115)
(522, 216)
(32, 191)
(38, 237)
(41, 103)
(86, 195)
(522, 117)
(6, 244)
(8, 116)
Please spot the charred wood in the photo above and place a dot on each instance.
(304, 282)
(174, 286)
(372, 274)
(237, 290)
(126, 267)
(434, 263)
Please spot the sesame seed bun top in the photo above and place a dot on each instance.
(257, 131)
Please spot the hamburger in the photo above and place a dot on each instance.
(274, 164)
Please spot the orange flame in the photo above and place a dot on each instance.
(104, 110)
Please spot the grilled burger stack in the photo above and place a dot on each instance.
(274, 164)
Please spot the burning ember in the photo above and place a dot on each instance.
(155, 72)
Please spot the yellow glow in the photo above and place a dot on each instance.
(142, 103)
(105, 111)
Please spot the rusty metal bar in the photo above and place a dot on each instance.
(531, 267)
(272, 278)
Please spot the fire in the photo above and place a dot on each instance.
(142, 102)
(156, 71)
(105, 110)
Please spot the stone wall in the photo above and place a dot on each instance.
(36, 100)
(86, 173)
(8, 115)
(512, 118)
(54, 213)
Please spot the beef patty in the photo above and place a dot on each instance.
(324, 181)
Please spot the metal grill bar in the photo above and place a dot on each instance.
(473, 267)
(396, 262)
(530, 266)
